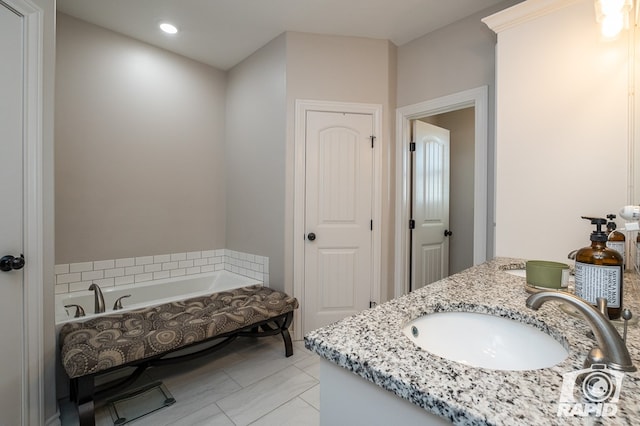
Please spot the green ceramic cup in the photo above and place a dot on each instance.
(547, 274)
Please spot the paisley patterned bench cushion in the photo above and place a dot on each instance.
(112, 340)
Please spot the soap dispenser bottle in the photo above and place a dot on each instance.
(598, 271)
(616, 239)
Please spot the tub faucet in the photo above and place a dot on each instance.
(118, 303)
(99, 298)
(611, 349)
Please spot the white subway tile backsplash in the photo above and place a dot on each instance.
(114, 272)
(178, 272)
(155, 267)
(133, 270)
(104, 264)
(92, 275)
(194, 270)
(162, 258)
(68, 278)
(176, 257)
(61, 269)
(106, 282)
(79, 286)
(123, 263)
(81, 267)
(161, 275)
(143, 277)
(144, 260)
(207, 268)
(62, 288)
(169, 266)
(194, 255)
(200, 262)
(185, 264)
(127, 279)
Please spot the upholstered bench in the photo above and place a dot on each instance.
(143, 338)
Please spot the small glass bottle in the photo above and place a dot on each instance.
(637, 265)
(599, 271)
(616, 239)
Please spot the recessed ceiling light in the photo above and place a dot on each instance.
(168, 28)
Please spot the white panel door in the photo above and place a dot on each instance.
(430, 245)
(338, 212)
(12, 367)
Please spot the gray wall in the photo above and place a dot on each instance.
(344, 69)
(139, 154)
(255, 157)
(261, 94)
(455, 58)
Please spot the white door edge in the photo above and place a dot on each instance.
(301, 108)
(33, 327)
(477, 98)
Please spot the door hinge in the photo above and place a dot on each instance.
(412, 224)
(372, 224)
(373, 138)
(412, 146)
(372, 304)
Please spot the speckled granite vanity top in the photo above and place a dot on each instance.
(371, 344)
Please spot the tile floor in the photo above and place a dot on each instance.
(249, 382)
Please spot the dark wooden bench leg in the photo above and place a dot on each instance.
(84, 389)
(284, 331)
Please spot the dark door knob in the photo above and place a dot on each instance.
(8, 263)
(311, 236)
(447, 233)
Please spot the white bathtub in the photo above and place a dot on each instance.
(149, 293)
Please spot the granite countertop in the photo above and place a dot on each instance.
(372, 345)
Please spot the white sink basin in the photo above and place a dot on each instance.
(482, 340)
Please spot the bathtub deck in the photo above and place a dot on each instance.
(229, 389)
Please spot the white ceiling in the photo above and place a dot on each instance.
(222, 33)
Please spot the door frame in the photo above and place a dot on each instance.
(302, 106)
(32, 323)
(477, 98)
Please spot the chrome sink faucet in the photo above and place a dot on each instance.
(99, 298)
(611, 349)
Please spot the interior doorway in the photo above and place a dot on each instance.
(318, 260)
(444, 112)
(430, 154)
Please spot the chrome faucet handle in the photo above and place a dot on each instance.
(602, 306)
(118, 304)
(79, 310)
(626, 316)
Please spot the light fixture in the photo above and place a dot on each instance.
(168, 28)
(613, 16)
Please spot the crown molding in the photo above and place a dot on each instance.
(524, 12)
